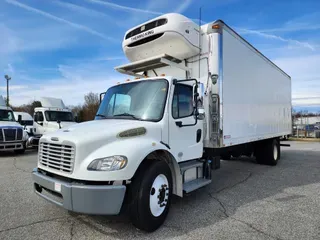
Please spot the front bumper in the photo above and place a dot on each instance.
(81, 198)
(7, 146)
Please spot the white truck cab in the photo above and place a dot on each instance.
(51, 116)
(12, 136)
(194, 94)
(26, 121)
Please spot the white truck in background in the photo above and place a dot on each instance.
(199, 93)
(51, 116)
(12, 136)
(26, 122)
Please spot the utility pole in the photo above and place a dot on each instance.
(7, 78)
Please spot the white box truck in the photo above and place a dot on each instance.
(198, 93)
(51, 116)
(12, 136)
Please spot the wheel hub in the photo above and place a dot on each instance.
(159, 195)
(162, 195)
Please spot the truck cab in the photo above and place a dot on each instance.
(26, 122)
(12, 136)
(51, 116)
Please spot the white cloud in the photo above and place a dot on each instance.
(58, 19)
(13, 87)
(183, 6)
(74, 82)
(305, 76)
(275, 37)
(81, 9)
(125, 8)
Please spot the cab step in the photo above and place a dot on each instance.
(195, 184)
(190, 164)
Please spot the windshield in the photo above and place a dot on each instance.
(53, 116)
(7, 115)
(26, 122)
(141, 100)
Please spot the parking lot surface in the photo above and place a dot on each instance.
(244, 201)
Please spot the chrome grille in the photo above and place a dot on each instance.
(57, 156)
(11, 134)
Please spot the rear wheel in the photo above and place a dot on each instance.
(268, 152)
(150, 196)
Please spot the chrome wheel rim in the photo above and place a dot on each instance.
(159, 194)
(275, 152)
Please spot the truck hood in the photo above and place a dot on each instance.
(96, 133)
(54, 126)
(9, 124)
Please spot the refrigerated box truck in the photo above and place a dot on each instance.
(194, 94)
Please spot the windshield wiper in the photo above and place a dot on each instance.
(101, 115)
(127, 114)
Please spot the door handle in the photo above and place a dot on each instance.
(179, 123)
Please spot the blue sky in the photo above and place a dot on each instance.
(67, 48)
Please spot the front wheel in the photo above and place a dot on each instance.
(150, 196)
(21, 151)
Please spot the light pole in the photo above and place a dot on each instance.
(7, 78)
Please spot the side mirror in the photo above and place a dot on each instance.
(200, 109)
(101, 96)
(19, 118)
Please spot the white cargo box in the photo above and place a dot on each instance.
(50, 102)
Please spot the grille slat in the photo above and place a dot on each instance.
(61, 168)
(56, 156)
(57, 164)
(57, 151)
(56, 160)
(63, 155)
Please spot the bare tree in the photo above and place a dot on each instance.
(90, 106)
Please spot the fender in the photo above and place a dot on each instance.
(136, 149)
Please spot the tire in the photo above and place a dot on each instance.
(268, 152)
(21, 151)
(150, 195)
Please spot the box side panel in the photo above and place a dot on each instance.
(256, 95)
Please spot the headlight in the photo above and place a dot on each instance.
(112, 163)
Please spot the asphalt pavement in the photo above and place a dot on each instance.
(244, 201)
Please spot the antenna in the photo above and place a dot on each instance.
(199, 39)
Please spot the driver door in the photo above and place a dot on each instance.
(185, 131)
(38, 123)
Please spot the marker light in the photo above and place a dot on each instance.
(216, 26)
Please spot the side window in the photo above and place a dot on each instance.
(38, 117)
(182, 104)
